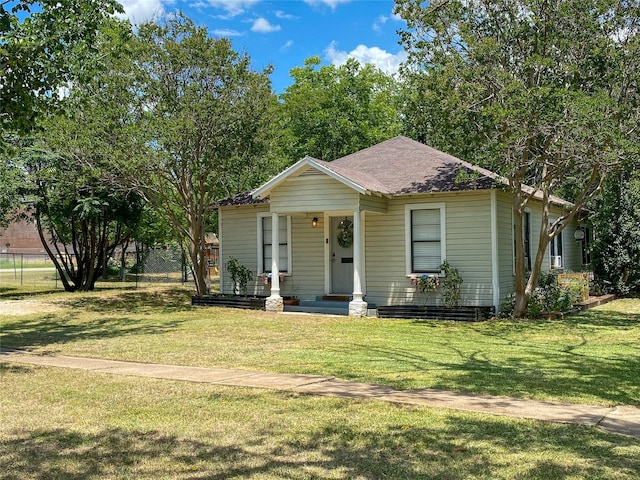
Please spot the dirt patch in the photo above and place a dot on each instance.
(26, 307)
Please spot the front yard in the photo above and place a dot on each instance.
(58, 423)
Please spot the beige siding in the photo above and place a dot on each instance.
(370, 203)
(468, 244)
(313, 193)
(307, 277)
(238, 227)
(571, 249)
(505, 245)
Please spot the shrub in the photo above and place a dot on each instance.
(240, 275)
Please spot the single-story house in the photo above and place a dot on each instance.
(363, 225)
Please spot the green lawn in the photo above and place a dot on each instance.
(591, 358)
(68, 424)
(59, 423)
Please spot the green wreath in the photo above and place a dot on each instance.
(345, 237)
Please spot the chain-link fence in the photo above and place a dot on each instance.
(129, 268)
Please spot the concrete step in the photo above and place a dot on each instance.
(317, 309)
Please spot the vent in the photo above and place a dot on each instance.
(311, 172)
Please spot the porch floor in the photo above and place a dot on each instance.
(322, 305)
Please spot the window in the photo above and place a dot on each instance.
(425, 233)
(265, 247)
(556, 251)
(586, 245)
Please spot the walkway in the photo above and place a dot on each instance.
(623, 420)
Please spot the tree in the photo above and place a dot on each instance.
(331, 111)
(616, 227)
(538, 91)
(75, 197)
(208, 115)
(35, 39)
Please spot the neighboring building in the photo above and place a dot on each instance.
(21, 237)
(364, 224)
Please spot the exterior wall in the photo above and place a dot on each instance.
(468, 247)
(238, 233)
(468, 241)
(571, 249)
(313, 192)
(505, 245)
(238, 227)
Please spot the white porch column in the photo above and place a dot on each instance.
(274, 301)
(357, 306)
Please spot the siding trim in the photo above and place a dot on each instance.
(495, 265)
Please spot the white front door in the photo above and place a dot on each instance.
(341, 260)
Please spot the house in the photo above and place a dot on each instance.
(362, 225)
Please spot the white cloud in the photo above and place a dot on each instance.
(287, 45)
(262, 25)
(232, 7)
(284, 15)
(385, 61)
(379, 22)
(224, 32)
(330, 3)
(140, 11)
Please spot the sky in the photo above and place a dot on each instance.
(283, 33)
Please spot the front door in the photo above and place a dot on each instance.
(341, 255)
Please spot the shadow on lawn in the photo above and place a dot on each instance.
(51, 330)
(160, 301)
(563, 359)
(464, 448)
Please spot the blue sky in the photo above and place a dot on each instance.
(283, 33)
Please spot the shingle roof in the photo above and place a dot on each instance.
(401, 166)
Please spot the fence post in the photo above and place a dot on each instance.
(22, 269)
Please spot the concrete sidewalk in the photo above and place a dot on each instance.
(623, 420)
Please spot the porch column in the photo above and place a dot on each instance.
(357, 306)
(274, 301)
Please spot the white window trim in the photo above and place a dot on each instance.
(407, 232)
(557, 239)
(261, 266)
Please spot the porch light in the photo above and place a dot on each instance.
(579, 234)
(314, 222)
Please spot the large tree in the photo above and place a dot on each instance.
(537, 90)
(207, 114)
(75, 198)
(331, 111)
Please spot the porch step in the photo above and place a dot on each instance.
(326, 307)
(322, 306)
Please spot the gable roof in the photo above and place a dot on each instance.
(399, 166)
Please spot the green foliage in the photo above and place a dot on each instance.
(331, 111)
(39, 41)
(208, 116)
(451, 284)
(548, 296)
(544, 93)
(616, 243)
(240, 275)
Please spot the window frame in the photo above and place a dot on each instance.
(556, 249)
(262, 268)
(409, 208)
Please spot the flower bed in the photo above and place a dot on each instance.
(425, 312)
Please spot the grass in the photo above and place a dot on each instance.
(590, 358)
(59, 423)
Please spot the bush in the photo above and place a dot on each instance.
(240, 275)
(548, 296)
